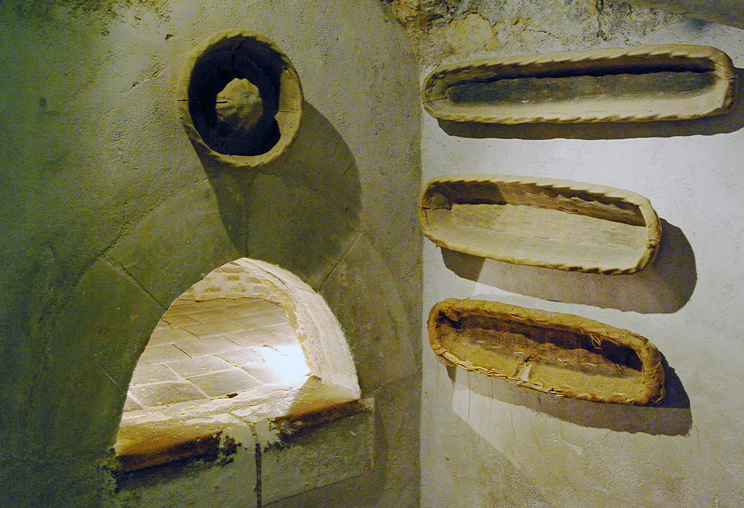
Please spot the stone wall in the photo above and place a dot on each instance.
(109, 215)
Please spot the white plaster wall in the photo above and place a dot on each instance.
(488, 443)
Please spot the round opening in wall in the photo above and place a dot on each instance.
(240, 99)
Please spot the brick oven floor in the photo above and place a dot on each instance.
(215, 348)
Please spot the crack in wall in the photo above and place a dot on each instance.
(259, 455)
(340, 259)
(119, 267)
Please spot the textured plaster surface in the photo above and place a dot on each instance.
(728, 12)
(486, 443)
(452, 29)
(109, 215)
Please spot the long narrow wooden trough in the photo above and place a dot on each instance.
(541, 222)
(644, 83)
(550, 352)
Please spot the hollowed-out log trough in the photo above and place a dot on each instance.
(550, 352)
(644, 83)
(541, 222)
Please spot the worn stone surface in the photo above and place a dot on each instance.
(103, 176)
(318, 456)
(316, 442)
(158, 443)
(728, 12)
(453, 29)
(471, 33)
(222, 472)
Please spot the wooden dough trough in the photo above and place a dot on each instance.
(645, 83)
(541, 222)
(550, 352)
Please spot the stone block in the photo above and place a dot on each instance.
(241, 356)
(161, 354)
(179, 242)
(93, 348)
(207, 346)
(198, 366)
(220, 469)
(315, 457)
(308, 247)
(144, 374)
(222, 383)
(162, 394)
(165, 336)
(363, 296)
(203, 330)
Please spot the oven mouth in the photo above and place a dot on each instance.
(250, 342)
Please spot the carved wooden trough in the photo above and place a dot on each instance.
(541, 222)
(550, 352)
(644, 83)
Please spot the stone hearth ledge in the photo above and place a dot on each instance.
(269, 421)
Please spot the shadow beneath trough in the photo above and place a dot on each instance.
(665, 286)
(671, 417)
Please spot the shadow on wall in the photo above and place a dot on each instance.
(663, 287)
(729, 122)
(672, 417)
(304, 213)
(474, 473)
(118, 301)
(306, 202)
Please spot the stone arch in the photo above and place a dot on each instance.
(326, 351)
(100, 333)
(208, 338)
